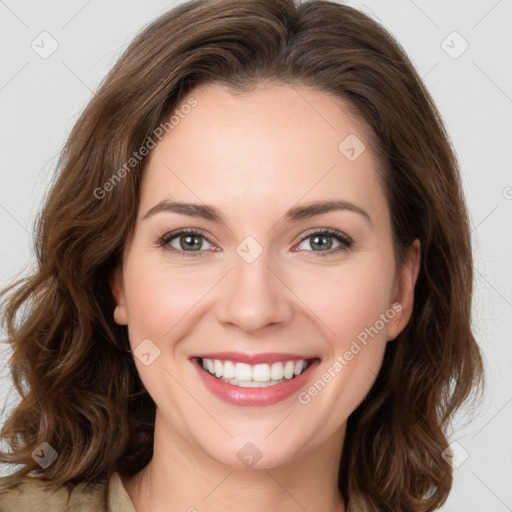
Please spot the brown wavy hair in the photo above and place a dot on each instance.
(79, 387)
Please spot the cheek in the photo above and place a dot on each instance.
(354, 353)
(352, 301)
(160, 295)
(349, 299)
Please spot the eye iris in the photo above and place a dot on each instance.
(190, 242)
(321, 245)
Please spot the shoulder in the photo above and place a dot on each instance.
(33, 495)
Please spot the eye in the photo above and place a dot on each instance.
(189, 241)
(322, 242)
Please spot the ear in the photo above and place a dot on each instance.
(404, 290)
(117, 288)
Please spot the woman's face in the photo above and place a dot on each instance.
(266, 278)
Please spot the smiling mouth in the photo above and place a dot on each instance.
(256, 375)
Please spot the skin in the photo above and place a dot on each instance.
(253, 156)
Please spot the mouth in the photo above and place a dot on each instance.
(254, 375)
(250, 380)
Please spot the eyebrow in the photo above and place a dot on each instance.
(292, 215)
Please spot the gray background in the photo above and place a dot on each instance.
(40, 99)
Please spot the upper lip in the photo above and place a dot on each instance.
(251, 358)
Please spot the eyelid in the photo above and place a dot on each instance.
(184, 231)
(329, 231)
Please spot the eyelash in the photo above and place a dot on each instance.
(345, 241)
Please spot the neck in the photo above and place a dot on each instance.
(182, 476)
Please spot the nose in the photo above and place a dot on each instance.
(254, 296)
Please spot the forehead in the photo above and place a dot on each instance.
(274, 144)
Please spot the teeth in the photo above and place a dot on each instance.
(253, 384)
(289, 369)
(242, 371)
(258, 375)
(218, 368)
(277, 372)
(229, 370)
(261, 373)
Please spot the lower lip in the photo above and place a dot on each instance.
(254, 397)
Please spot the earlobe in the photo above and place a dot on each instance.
(117, 289)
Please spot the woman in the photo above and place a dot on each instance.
(255, 278)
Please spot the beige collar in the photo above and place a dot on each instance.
(118, 499)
